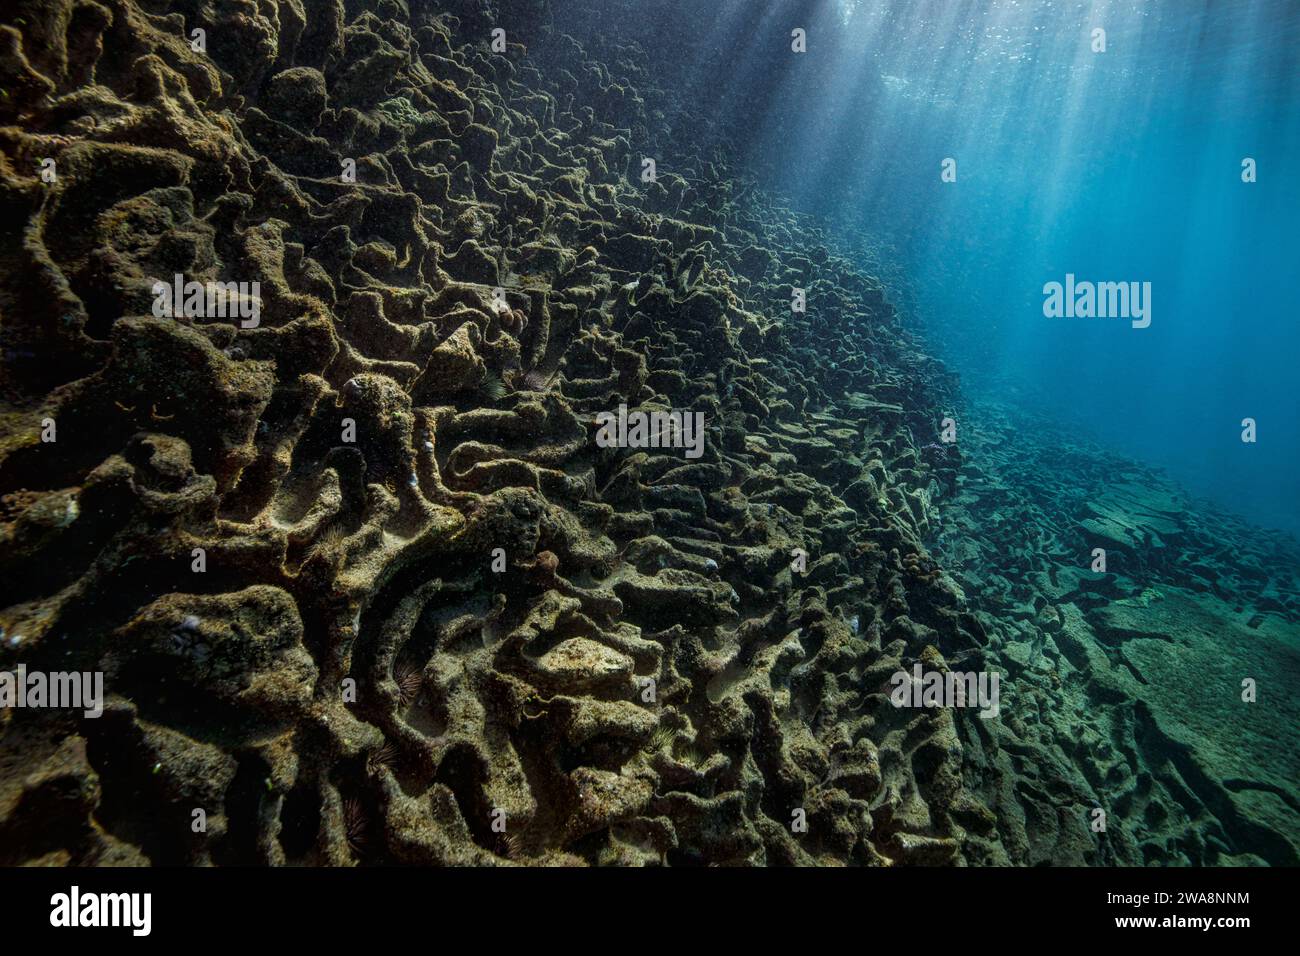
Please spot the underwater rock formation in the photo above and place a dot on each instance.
(1127, 683)
(364, 587)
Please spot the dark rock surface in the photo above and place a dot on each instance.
(469, 611)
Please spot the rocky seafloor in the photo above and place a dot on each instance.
(463, 632)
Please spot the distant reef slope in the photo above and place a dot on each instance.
(363, 584)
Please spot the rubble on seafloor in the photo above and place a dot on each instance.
(376, 649)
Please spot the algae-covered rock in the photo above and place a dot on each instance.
(369, 582)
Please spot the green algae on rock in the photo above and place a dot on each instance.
(364, 584)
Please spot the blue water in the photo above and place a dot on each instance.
(1123, 165)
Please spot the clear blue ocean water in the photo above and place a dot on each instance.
(1122, 165)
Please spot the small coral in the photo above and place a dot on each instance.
(534, 380)
(409, 681)
(494, 388)
(354, 825)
